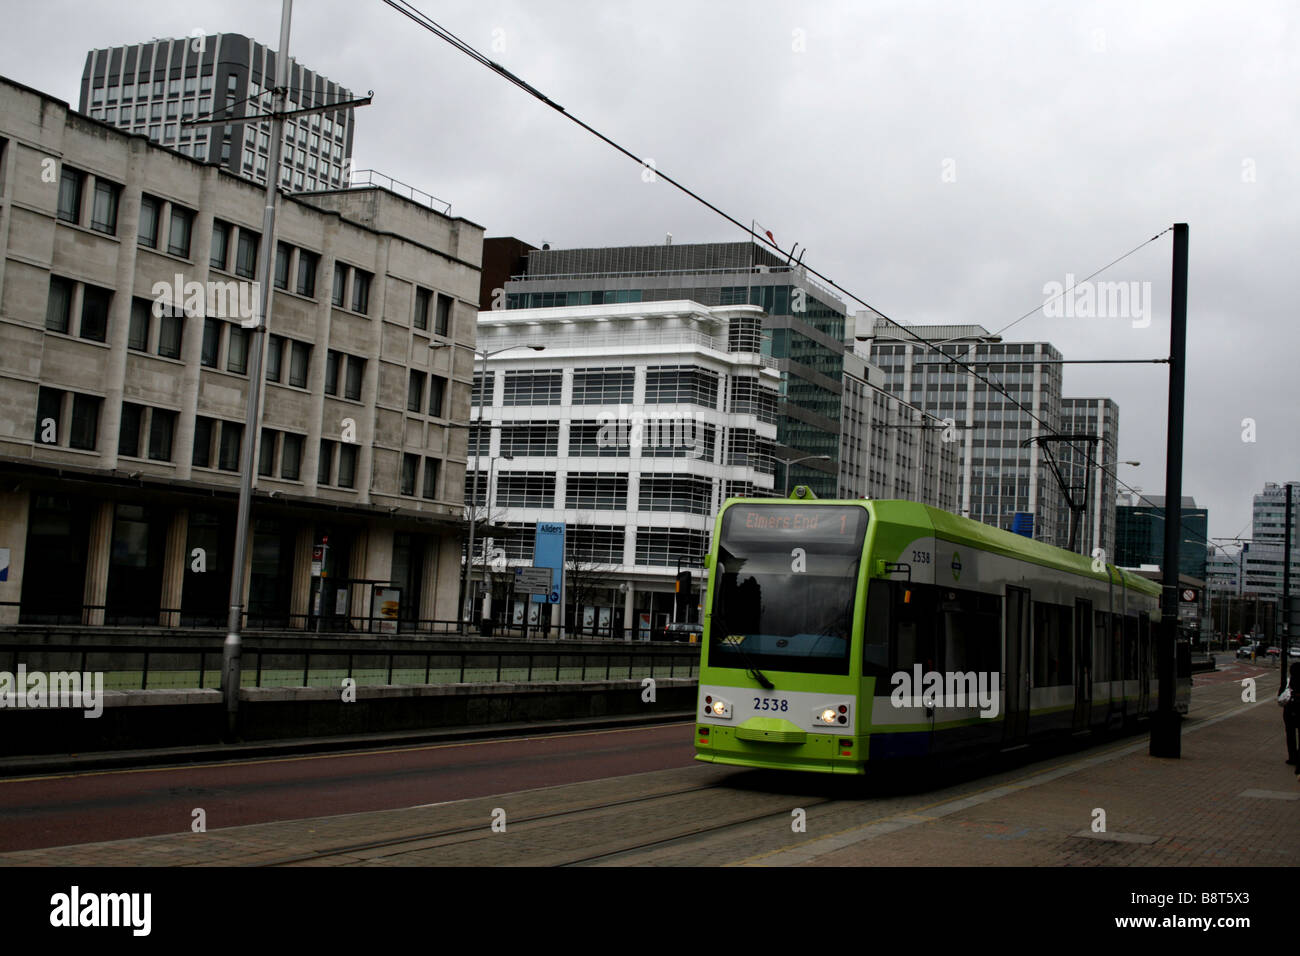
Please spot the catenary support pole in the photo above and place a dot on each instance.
(1165, 739)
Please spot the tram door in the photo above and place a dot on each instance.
(1082, 664)
(1016, 677)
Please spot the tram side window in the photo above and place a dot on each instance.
(875, 643)
(1053, 648)
(1130, 648)
(1101, 647)
(972, 631)
(1146, 660)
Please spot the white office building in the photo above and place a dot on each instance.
(631, 427)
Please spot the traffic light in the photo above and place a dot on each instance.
(682, 597)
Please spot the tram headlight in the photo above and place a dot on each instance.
(717, 707)
(831, 715)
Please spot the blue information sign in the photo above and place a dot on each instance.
(548, 552)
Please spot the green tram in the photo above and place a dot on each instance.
(838, 633)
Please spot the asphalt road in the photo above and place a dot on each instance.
(117, 804)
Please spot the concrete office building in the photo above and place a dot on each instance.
(1089, 470)
(126, 272)
(1001, 477)
(1264, 559)
(151, 88)
(802, 330)
(632, 427)
(890, 448)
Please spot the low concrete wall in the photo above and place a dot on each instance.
(175, 718)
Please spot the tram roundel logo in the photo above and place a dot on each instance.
(956, 566)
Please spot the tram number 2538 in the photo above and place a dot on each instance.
(771, 703)
(920, 557)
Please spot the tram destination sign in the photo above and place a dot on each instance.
(533, 580)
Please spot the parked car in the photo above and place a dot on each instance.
(681, 632)
(1246, 650)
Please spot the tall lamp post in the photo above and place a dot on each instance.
(788, 462)
(483, 354)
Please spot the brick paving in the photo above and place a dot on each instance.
(1226, 802)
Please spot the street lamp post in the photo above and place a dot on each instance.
(483, 354)
(788, 462)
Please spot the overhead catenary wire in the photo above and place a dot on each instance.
(408, 10)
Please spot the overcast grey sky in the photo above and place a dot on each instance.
(944, 161)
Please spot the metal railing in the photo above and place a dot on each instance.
(370, 177)
(139, 667)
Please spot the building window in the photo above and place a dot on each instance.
(332, 360)
(220, 244)
(422, 308)
(178, 239)
(415, 392)
(431, 478)
(246, 254)
(442, 321)
(70, 186)
(437, 390)
(410, 465)
(361, 292)
(128, 433)
(529, 489)
(58, 308)
(347, 465)
(670, 385)
(299, 358)
(603, 386)
(532, 388)
(274, 358)
(85, 422)
(49, 415)
(266, 453)
(95, 303)
(325, 468)
(137, 336)
(594, 544)
(484, 389)
(237, 351)
(530, 440)
(592, 439)
(307, 273)
(211, 343)
(170, 329)
(290, 457)
(340, 285)
(232, 437)
(282, 253)
(162, 426)
(103, 215)
(356, 372)
(596, 490)
(203, 430)
(681, 493)
(662, 547)
(149, 211)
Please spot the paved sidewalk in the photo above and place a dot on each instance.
(1229, 801)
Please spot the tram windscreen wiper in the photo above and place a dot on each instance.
(750, 668)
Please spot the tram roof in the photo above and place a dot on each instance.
(985, 537)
